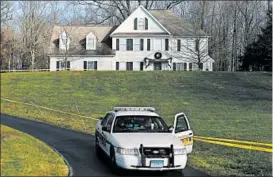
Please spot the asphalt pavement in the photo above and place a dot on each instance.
(79, 149)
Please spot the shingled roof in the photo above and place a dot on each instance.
(77, 35)
(176, 25)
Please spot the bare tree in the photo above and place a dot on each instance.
(116, 11)
(6, 12)
(9, 49)
(33, 27)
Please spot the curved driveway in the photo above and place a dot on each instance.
(77, 148)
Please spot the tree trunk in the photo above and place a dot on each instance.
(32, 59)
(202, 15)
(234, 40)
(269, 6)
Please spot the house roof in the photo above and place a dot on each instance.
(77, 35)
(176, 25)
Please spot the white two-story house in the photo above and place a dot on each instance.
(146, 40)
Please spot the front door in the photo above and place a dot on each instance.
(157, 65)
(183, 131)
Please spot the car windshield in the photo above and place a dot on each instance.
(139, 124)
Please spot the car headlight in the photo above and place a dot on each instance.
(180, 151)
(124, 151)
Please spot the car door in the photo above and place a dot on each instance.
(100, 133)
(183, 131)
(107, 134)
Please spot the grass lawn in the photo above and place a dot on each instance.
(218, 104)
(23, 155)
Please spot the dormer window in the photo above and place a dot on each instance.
(64, 41)
(91, 41)
(140, 24)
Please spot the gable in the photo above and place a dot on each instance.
(140, 13)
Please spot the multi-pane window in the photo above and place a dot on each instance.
(90, 65)
(136, 44)
(190, 66)
(90, 43)
(129, 66)
(64, 41)
(181, 66)
(129, 44)
(61, 65)
(141, 23)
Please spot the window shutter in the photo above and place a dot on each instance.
(85, 65)
(57, 65)
(141, 44)
(196, 45)
(117, 44)
(174, 66)
(141, 66)
(95, 65)
(68, 65)
(148, 44)
(135, 24)
(178, 45)
(166, 44)
(185, 66)
(117, 66)
(146, 24)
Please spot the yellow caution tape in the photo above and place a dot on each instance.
(236, 145)
(235, 141)
(73, 114)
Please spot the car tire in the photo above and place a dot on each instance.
(115, 169)
(97, 147)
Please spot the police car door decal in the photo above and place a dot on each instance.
(183, 131)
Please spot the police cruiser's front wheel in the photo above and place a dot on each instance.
(114, 166)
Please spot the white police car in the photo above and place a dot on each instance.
(137, 138)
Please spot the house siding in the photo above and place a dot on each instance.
(157, 35)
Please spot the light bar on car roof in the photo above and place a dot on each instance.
(134, 109)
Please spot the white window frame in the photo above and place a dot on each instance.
(141, 24)
(91, 42)
(93, 65)
(64, 41)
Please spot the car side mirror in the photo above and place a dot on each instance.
(104, 129)
(171, 128)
